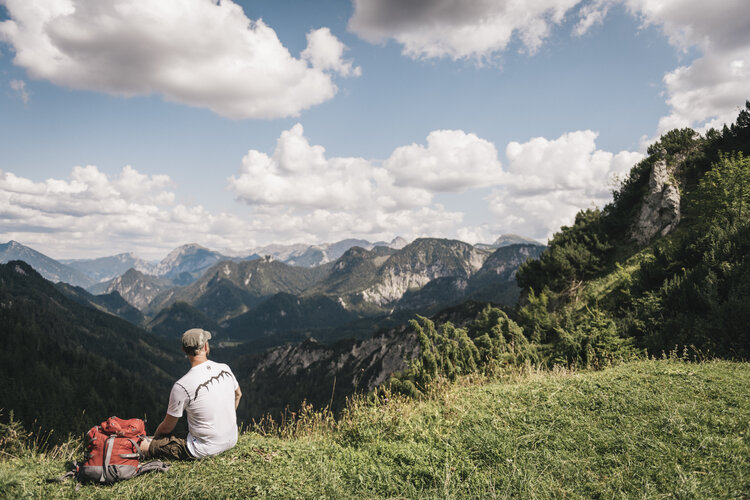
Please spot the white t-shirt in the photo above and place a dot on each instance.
(206, 393)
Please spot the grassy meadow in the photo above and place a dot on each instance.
(644, 429)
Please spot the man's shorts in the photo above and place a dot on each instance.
(169, 447)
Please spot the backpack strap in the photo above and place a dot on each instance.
(138, 454)
(108, 456)
(62, 478)
(153, 466)
(73, 472)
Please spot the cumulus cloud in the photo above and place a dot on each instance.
(452, 161)
(196, 52)
(299, 175)
(549, 181)
(316, 198)
(298, 194)
(707, 92)
(458, 29)
(710, 90)
(131, 211)
(543, 186)
(326, 52)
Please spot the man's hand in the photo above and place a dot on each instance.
(237, 396)
(166, 426)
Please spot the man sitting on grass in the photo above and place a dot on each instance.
(209, 394)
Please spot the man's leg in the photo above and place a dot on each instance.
(170, 447)
(144, 445)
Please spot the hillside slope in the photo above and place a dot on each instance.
(643, 429)
(61, 358)
(664, 264)
(46, 266)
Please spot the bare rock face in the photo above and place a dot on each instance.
(419, 263)
(660, 209)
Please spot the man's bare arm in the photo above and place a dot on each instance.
(166, 426)
(237, 396)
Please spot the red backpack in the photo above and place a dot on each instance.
(113, 453)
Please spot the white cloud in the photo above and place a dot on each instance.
(707, 92)
(549, 181)
(592, 14)
(325, 52)
(476, 234)
(543, 186)
(132, 211)
(299, 175)
(297, 194)
(459, 29)
(452, 161)
(19, 86)
(305, 196)
(196, 52)
(710, 90)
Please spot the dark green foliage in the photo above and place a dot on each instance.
(172, 321)
(535, 317)
(723, 194)
(112, 302)
(677, 141)
(696, 289)
(574, 254)
(590, 340)
(706, 302)
(491, 341)
(61, 359)
(688, 289)
(287, 313)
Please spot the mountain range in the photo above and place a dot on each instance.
(252, 300)
(264, 302)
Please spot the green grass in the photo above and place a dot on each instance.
(646, 429)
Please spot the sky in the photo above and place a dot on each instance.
(139, 126)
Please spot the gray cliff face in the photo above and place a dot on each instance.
(135, 287)
(420, 263)
(364, 364)
(660, 209)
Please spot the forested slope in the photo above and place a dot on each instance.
(610, 280)
(60, 359)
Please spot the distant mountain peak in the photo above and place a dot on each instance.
(184, 249)
(513, 239)
(191, 258)
(48, 267)
(398, 243)
(505, 240)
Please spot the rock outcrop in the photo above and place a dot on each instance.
(660, 209)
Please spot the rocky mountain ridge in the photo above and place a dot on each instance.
(107, 268)
(49, 268)
(137, 288)
(264, 298)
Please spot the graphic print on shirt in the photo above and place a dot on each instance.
(207, 383)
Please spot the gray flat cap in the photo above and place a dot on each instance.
(195, 337)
